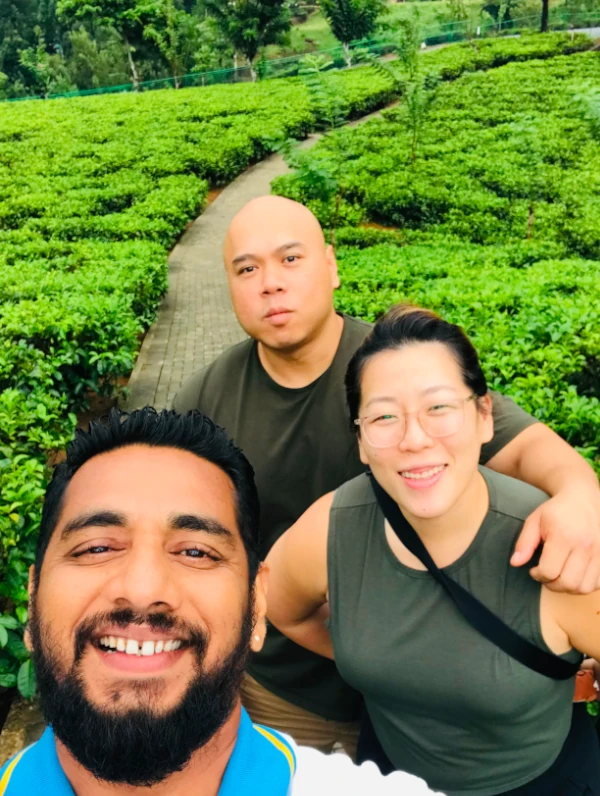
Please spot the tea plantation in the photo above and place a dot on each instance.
(93, 193)
(495, 223)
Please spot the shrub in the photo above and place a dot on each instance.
(496, 223)
(93, 191)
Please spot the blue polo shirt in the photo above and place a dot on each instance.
(263, 762)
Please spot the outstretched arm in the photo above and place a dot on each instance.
(297, 593)
(569, 523)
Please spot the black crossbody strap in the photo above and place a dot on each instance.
(481, 618)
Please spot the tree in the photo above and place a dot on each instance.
(96, 61)
(129, 18)
(545, 11)
(211, 51)
(37, 62)
(249, 25)
(320, 173)
(503, 12)
(47, 71)
(48, 22)
(418, 87)
(350, 20)
(171, 30)
(17, 23)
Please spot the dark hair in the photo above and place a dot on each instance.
(193, 432)
(402, 325)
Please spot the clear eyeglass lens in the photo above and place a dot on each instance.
(383, 431)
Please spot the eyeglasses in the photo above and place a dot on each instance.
(438, 420)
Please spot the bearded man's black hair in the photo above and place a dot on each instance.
(193, 432)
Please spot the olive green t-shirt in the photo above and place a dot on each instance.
(446, 703)
(301, 447)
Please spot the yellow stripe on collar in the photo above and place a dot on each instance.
(277, 743)
(9, 772)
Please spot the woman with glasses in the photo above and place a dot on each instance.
(445, 702)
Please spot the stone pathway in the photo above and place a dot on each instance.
(195, 324)
(196, 321)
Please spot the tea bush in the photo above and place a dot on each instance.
(496, 223)
(93, 191)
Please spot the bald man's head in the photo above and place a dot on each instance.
(265, 213)
(280, 270)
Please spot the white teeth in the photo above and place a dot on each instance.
(132, 647)
(423, 475)
(148, 648)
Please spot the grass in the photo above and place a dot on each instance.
(315, 34)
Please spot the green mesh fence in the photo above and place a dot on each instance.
(447, 33)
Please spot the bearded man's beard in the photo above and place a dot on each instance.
(139, 746)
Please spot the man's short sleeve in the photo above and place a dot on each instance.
(188, 396)
(509, 421)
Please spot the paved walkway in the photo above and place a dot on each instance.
(196, 322)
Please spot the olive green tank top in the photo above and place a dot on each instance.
(446, 703)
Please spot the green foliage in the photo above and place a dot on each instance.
(26, 679)
(451, 62)
(134, 21)
(47, 72)
(457, 10)
(496, 224)
(249, 25)
(126, 16)
(17, 23)
(321, 177)
(96, 61)
(533, 317)
(93, 192)
(211, 50)
(169, 30)
(588, 100)
(103, 43)
(351, 20)
(419, 86)
(326, 104)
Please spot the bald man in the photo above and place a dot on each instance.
(280, 395)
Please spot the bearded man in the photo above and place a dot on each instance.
(146, 598)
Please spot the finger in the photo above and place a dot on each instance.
(528, 541)
(572, 574)
(554, 557)
(591, 580)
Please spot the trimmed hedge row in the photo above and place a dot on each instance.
(532, 313)
(496, 223)
(93, 192)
